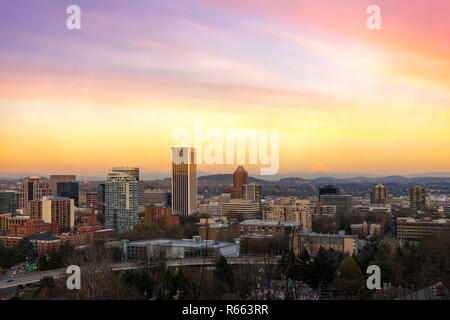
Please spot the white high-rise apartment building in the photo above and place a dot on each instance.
(184, 181)
(134, 172)
(121, 196)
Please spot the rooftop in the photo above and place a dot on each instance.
(183, 243)
(43, 237)
(270, 223)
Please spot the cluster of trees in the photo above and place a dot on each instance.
(413, 265)
(56, 259)
(17, 254)
(319, 273)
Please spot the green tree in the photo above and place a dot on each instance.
(25, 249)
(146, 285)
(147, 230)
(5, 257)
(289, 266)
(178, 286)
(224, 273)
(324, 265)
(350, 278)
(43, 263)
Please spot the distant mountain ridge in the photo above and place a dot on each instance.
(228, 178)
(204, 177)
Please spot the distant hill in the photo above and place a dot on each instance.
(204, 178)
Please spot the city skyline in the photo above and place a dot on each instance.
(344, 98)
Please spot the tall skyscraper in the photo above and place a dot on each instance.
(184, 181)
(133, 172)
(69, 190)
(32, 189)
(8, 202)
(240, 177)
(379, 194)
(417, 198)
(55, 178)
(121, 197)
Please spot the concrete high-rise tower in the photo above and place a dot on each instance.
(34, 188)
(379, 194)
(121, 197)
(133, 172)
(184, 181)
(417, 198)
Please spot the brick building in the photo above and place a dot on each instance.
(105, 234)
(45, 242)
(7, 220)
(417, 229)
(219, 231)
(54, 209)
(162, 216)
(31, 227)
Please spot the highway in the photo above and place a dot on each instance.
(121, 266)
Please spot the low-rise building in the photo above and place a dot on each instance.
(373, 209)
(240, 207)
(105, 234)
(186, 248)
(7, 220)
(33, 226)
(219, 230)
(45, 243)
(365, 229)
(268, 227)
(8, 241)
(416, 229)
(312, 242)
(77, 238)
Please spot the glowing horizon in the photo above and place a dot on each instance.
(344, 98)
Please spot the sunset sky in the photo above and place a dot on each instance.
(344, 98)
